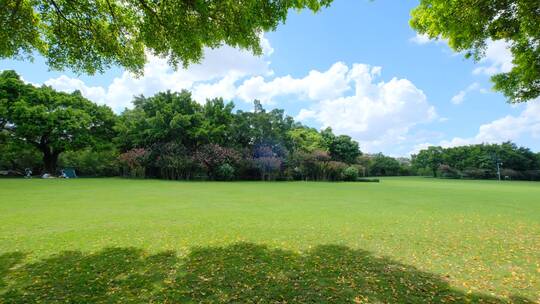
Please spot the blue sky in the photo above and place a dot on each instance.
(357, 67)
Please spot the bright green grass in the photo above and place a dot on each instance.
(402, 240)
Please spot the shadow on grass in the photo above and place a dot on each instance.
(238, 273)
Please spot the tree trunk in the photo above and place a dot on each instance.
(50, 160)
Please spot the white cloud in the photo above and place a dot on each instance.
(315, 86)
(266, 47)
(67, 84)
(224, 65)
(419, 147)
(378, 115)
(460, 96)
(509, 128)
(224, 88)
(422, 39)
(498, 59)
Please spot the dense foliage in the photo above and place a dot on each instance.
(50, 121)
(171, 136)
(90, 36)
(183, 139)
(479, 161)
(470, 25)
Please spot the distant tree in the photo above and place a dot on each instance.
(365, 161)
(306, 139)
(382, 165)
(470, 25)
(430, 158)
(217, 122)
(90, 36)
(51, 121)
(342, 148)
(263, 128)
(478, 161)
(163, 118)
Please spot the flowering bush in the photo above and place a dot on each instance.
(210, 157)
(134, 162)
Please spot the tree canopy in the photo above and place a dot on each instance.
(51, 121)
(91, 35)
(470, 25)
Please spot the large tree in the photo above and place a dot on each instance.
(52, 122)
(162, 118)
(91, 35)
(342, 148)
(430, 158)
(469, 25)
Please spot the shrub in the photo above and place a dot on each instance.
(368, 180)
(91, 163)
(446, 171)
(334, 170)
(533, 175)
(269, 167)
(475, 173)
(225, 172)
(17, 157)
(212, 156)
(173, 161)
(134, 162)
(511, 174)
(350, 174)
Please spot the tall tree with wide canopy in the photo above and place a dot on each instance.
(91, 35)
(469, 25)
(162, 118)
(52, 122)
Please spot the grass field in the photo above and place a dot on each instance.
(404, 240)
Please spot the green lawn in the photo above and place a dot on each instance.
(404, 240)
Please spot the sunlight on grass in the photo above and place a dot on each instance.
(402, 240)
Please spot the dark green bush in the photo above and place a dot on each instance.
(225, 172)
(91, 163)
(350, 174)
(19, 157)
(368, 180)
(446, 171)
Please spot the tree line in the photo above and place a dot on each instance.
(171, 136)
(481, 161)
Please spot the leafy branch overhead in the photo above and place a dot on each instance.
(90, 36)
(469, 25)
